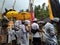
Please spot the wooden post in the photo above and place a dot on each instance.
(2, 6)
(14, 4)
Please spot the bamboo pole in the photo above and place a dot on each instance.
(2, 6)
(2, 9)
(14, 4)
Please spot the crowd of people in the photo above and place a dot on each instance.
(20, 32)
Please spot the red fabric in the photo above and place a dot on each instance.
(32, 15)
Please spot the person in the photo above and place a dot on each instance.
(4, 30)
(11, 36)
(50, 32)
(27, 26)
(12, 33)
(18, 32)
(23, 33)
(35, 30)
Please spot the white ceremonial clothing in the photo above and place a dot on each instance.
(49, 34)
(35, 26)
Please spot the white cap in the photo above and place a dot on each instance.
(18, 22)
(56, 19)
(27, 22)
(35, 19)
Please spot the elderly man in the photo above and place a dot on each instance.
(50, 32)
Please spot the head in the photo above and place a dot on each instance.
(17, 23)
(35, 20)
(27, 22)
(55, 21)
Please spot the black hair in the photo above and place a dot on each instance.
(35, 21)
(23, 22)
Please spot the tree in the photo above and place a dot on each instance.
(22, 10)
(43, 5)
(41, 12)
(27, 10)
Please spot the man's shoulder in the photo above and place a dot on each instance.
(48, 24)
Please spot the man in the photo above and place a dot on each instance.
(12, 33)
(23, 33)
(35, 31)
(4, 30)
(50, 32)
(27, 27)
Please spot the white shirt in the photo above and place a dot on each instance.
(48, 31)
(35, 26)
(22, 27)
(23, 34)
(12, 33)
(18, 34)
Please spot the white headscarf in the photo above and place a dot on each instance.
(27, 22)
(56, 19)
(18, 22)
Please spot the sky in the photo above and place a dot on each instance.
(40, 2)
(21, 4)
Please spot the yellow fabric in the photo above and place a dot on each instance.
(26, 15)
(12, 14)
(50, 10)
(19, 16)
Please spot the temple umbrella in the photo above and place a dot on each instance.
(12, 14)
